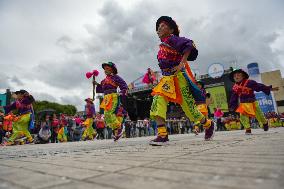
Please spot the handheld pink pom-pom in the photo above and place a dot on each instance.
(89, 75)
(96, 73)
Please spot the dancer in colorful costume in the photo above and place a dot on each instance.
(7, 123)
(274, 120)
(62, 132)
(243, 99)
(100, 126)
(202, 105)
(24, 115)
(149, 77)
(176, 84)
(89, 131)
(114, 112)
(232, 123)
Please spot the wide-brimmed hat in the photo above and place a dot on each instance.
(89, 100)
(245, 74)
(22, 91)
(110, 64)
(172, 24)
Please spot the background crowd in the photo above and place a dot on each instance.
(47, 129)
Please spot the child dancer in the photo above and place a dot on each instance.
(202, 105)
(243, 99)
(114, 113)
(23, 106)
(62, 132)
(89, 131)
(175, 85)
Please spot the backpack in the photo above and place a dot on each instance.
(77, 130)
(45, 133)
(32, 120)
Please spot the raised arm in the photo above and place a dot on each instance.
(260, 87)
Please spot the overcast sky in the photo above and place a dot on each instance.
(47, 46)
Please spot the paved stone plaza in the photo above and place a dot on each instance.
(232, 160)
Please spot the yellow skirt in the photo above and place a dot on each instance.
(248, 109)
(107, 101)
(168, 87)
(203, 109)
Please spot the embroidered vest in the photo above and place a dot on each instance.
(109, 81)
(242, 89)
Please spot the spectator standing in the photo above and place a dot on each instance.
(218, 114)
(127, 125)
(100, 123)
(54, 129)
(154, 126)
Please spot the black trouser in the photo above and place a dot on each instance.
(187, 128)
(109, 132)
(53, 137)
(133, 131)
(100, 132)
(127, 131)
(154, 127)
(219, 125)
(2, 135)
(140, 131)
(182, 130)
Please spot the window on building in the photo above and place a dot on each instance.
(280, 103)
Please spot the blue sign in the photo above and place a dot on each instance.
(265, 102)
(253, 69)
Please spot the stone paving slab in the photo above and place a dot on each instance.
(232, 160)
(124, 181)
(29, 179)
(225, 171)
(197, 177)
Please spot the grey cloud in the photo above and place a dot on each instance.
(64, 41)
(10, 82)
(74, 100)
(4, 82)
(235, 38)
(44, 96)
(16, 80)
(68, 45)
(127, 36)
(68, 74)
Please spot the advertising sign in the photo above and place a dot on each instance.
(265, 102)
(218, 94)
(216, 70)
(139, 85)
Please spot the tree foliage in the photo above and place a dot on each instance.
(59, 108)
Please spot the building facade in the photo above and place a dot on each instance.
(5, 98)
(275, 79)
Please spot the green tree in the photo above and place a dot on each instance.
(59, 108)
